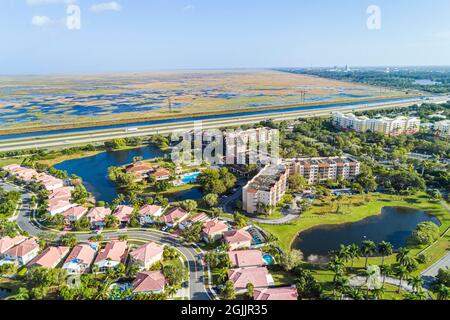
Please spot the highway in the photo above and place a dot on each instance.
(97, 136)
(197, 288)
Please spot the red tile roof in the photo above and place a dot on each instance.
(114, 251)
(149, 281)
(243, 276)
(214, 227)
(246, 258)
(174, 215)
(123, 213)
(7, 243)
(236, 236)
(50, 257)
(84, 253)
(150, 210)
(147, 252)
(23, 248)
(285, 293)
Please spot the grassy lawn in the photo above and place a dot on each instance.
(172, 190)
(357, 209)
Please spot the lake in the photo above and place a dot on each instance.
(94, 170)
(394, 225)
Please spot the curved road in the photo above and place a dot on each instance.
(197, 289)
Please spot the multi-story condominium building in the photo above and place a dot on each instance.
(442, 128)
(315, 170)
(238, 144)
(387, 126)
(267, 188)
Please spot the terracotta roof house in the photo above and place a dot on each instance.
(49, 182)
(199, 217)
(50, 257)
(114, 253)
(238, 239)
(147, 255)
(75, 213)
(64, 193)
(258, 276)
(11, 167)
(149, 282)
(123, 213)
(149, 213)
(174, 216)
(214, 230)
(22, 253)
(25, 174)
(285, 294)
(80, 258)
(58, 206)
(7, 243)
(139, 169)
(246, 258)
(161, 174)
(97, 216)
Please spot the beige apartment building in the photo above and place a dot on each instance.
(266, 188)
(316, 170)
(387, 126)
(442, 128)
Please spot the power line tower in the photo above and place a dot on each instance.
(169, 101)
(303, 96)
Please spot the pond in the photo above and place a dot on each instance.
(394, 225)
(94, 170)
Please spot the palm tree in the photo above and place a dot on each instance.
(344, 253)
(341, 285)
(402, 253)
(442, 291)
(22, 294)
(416, 296)
(416, 283)
(368, 248)
(222, 274)
(354, 252)
(171, 291)
(337, 266)
(403, 273)
(354, 293)
(378, 293)
(386, 271)
(103, 290)
(385, 249)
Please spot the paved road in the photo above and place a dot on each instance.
(429, 275)
(197, 288)
(59, 140)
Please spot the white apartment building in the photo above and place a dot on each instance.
(387, 126)
(316, 170)
(442, 128)
(267, 188)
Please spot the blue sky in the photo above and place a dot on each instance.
(145, 35)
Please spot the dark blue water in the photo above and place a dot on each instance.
(393, 225)
(187, 119)
(94, 170)
(194, 194)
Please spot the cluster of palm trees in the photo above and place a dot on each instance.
(402, 269)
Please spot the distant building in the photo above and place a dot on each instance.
(265, 189)
(316, 170)
(442, 128)
(387, 126)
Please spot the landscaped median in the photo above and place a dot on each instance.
(361, 207)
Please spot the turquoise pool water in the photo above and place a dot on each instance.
(190, 178)
(268, 259)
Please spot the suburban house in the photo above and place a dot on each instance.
(174, 216)
(22, 253)
(64, 193)
(148, 213)
(238, 239)
(75, 213)
(139, 169)
(21, 173)
(147, 255)
(214, 230)
(49, 182)
(7, 243)
(58, 206)
(114, 253)
(161, 174)
(97, 216)
(80, 258)
(149, 282)
(283, 293)
(258, 276)
(50, 257)
(246, 258)
(123, 213)
(199, 217)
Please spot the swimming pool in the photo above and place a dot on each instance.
(268, 259)
(190, 178)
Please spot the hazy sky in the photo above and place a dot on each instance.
(143, 35)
